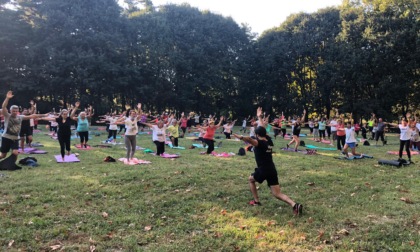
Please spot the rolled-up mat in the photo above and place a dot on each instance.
(390, 162)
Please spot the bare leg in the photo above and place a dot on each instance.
(275, 191)
(253, 188)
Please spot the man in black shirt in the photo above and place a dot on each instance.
(266, 170)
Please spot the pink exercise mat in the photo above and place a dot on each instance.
(67, 159)
(134, 161)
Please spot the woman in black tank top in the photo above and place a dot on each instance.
(296, 131)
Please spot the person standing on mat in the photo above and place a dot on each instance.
(64, 122)
(405, 136)
(12, 127)
(82, 125)
(380, 131)
(173, 130)
(297, 126)
(159, 135)
(350, 141)
(208, 137)
(131, 130)
(266, 170)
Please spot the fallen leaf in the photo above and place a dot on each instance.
(217, 235)
(259, 236)
(10, 243)
(412, 243)
(310, 220)
(147, 228)
(290, 223)
(92, 248)
(109, 235)
(281, 232)
(55, 247)
(407, 200)
(91, 241)
(352, 194)
(320, 234)
(311, 183)
(243, 227)
(188, 190)
(271, 223)
(105, 215)
(343, 232)
(223, 212)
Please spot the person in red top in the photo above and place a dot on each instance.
(208, 137)
(341, 134)
(184, 124)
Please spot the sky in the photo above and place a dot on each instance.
(260, 15)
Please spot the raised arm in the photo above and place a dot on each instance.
(73, 112)
(9, 96)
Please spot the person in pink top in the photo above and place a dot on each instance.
(184, 124)
(208, 137)
(341, 134)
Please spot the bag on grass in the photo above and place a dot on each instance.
(241, 152)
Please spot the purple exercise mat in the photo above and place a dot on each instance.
(67, 159)
(32, 151)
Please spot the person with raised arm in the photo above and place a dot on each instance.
(297, 126)
(350, 141)
(131, 130)
(12, 127)
(208, 137)
(83, 124)
(266, 170)
(405, 136)
(64, 122)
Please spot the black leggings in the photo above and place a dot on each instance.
(283, 131)
(112, 133)
(160, 147)
(227, 135)
(64, 144)
(322, 133)
(405, 143)
(210, 145)
(341, 140)
(84, 137)
(174, 141)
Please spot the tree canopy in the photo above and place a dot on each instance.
(362, 57)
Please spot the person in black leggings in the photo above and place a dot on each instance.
(64, 130)
(297, 126)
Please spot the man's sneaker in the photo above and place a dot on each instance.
(297, 209)
(254, 203)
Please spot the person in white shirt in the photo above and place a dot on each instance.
(131, 130)
(405, 136)
(350, 140)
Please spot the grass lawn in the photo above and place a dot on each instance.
(200, 203)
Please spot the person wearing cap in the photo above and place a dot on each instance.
(266, 170)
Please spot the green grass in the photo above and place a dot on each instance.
(200, 203)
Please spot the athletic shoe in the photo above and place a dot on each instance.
(254, 203)
(297, 209)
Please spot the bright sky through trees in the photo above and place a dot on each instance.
(259, 15)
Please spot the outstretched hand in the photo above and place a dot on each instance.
(77, 104)
(9, 95)
(259, 111)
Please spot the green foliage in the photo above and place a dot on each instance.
(361, 57)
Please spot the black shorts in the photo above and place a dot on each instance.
(7, 144)
(261, 175)
(26, 131)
